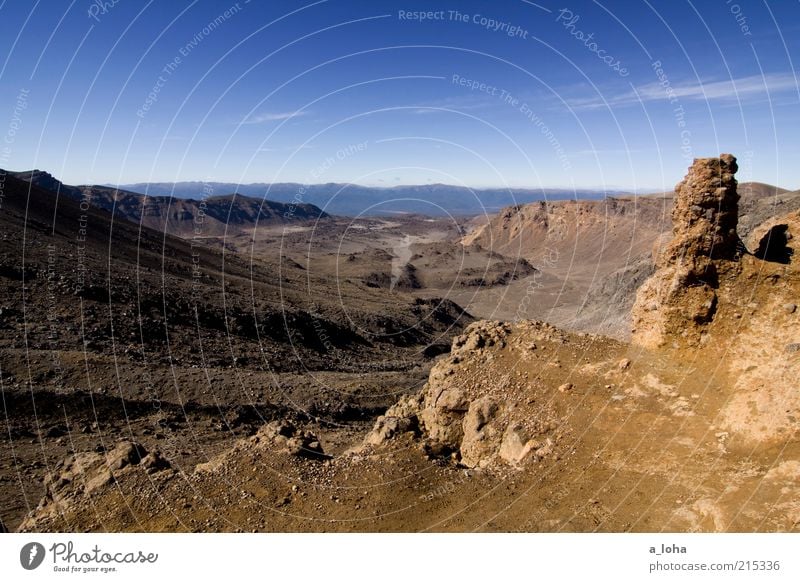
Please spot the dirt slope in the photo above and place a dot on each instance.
(109, 329)
(624, 441)
(526, 427)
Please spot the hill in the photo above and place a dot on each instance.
(355, 200)
(110, 328)
(207, 216)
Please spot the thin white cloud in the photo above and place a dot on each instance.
(457, 103)
(742, 89)
(286, 148)
(605, 152)
(268, 117)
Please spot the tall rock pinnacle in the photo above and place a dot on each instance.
(680, 298)
(705, 214)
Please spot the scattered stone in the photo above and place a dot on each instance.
(565, 387)
(296, 442)
(124, 454)
(515, 446)
(154, 462)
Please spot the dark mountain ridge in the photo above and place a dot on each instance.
(207, 216)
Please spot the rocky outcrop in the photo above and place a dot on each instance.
(775, 240)
(277, 437)
(285, 436)
(680, 299)
(761, 338)
(716, 299)
(84, 473)
(476, 410)
(700, 298)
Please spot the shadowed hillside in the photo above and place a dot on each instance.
(210, 215)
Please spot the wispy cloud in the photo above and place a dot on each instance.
(742, 89)
(606, 152)
(457, 103)
(286, 148)
(268, 117)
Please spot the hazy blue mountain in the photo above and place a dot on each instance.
(352, 200)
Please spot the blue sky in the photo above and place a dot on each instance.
(512, 93)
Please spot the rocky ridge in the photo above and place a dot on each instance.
(709, 298)
(483, 420)
(207, 214)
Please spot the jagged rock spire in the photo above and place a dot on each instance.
(680, 298)
(705, 213)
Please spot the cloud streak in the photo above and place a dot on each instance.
(456, 103)
(286, 148)
(743, 89)
(269, 117)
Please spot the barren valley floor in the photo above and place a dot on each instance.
(398, 373)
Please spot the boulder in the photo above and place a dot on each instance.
(286, 436)
(83, 473)
(401, 418)
(124, 454)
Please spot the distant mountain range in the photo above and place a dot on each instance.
(354, 200)
(208, 215)
(189, 209)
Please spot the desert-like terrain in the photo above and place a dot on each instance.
(110, 328)
(625, 364)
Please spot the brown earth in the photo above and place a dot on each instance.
(522, 427)
(590, 256)
(111, 330)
